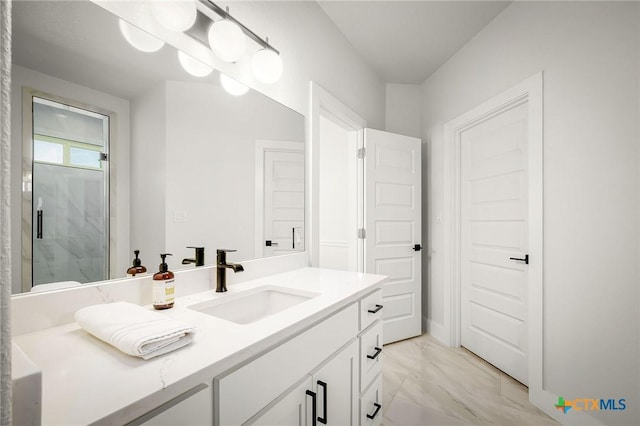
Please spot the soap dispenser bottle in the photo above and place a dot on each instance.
(163, 286)
(137, 268)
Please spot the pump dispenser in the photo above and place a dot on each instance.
(137, 268)
(163, 286)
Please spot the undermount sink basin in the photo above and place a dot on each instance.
(253, 305)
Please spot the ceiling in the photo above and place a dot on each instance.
(406, 41)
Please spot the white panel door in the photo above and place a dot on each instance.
(283, 202)
(494, 230)
(393, 226)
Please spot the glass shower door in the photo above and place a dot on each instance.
(70, 235)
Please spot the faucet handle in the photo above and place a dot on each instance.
(225, 250)
(199, 260)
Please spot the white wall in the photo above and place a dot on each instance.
(210, 175)
(148, 176)
(403, 109)
(119, 166)
(337, 198)
(193, 171)
(589, 54)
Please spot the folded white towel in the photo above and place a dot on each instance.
(135, 330)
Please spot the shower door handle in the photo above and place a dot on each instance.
(39, 224)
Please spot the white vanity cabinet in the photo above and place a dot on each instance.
(329, 374)
(328, 395)
(326, 352)
(370, 338)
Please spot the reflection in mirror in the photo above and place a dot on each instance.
(124, 150)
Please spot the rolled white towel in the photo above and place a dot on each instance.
(135, 330)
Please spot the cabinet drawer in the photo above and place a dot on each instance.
(244, 392)
(371, 404)
(192, 407)
(370, 309)
(370, 354)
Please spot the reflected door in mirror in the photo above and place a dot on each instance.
(283, 201)
(69, 202)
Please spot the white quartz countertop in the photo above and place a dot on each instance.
(87, 381)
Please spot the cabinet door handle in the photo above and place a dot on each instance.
(323, 420)
(375, 310)
(376, 354)
(375, 413)
(313, 407)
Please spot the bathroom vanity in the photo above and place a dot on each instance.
(312, 353)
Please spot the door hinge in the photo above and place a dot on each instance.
(362, 152)
(104, 156)
(362, 233)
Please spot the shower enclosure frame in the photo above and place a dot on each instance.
(28, 94)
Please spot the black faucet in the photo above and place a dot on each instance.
(222, 265)
(199, 259)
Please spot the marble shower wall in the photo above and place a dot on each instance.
(74, 244)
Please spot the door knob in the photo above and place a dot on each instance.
(417, 247)
(525, 259)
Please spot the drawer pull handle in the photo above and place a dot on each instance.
(376, 354)
(313, 407)
(375, 310)
(323, 420)
(375, 413)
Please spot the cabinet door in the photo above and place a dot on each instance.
(336, 387)
(292, 410)
(371, 404)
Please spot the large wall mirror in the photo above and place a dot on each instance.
(122, 150)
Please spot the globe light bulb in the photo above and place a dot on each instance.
(233, 87)
(267, 66)
(227, 40)
(175, 15)
(139, 39)
(193, 66)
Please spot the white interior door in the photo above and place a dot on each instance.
(283, 202)
(494, 230)
(393, 228)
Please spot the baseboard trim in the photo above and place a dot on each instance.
(435, 330)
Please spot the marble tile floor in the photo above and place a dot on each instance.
(427, 383)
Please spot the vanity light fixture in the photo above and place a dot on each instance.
(175, 15)
(227, 40)
(233, 87)
(139, 39)
(227, 37)
(266, 66)
(193, 66)
(224, 40)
